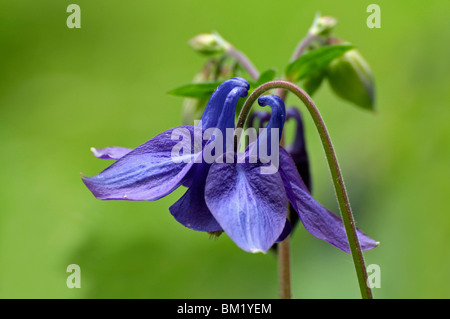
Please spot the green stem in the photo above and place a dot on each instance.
(338, 181)
(284, 258)
(301, 47)
(284, 266)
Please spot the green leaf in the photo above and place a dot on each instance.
(312, 83)
(315, 61)
(266, 76)
(198, 90)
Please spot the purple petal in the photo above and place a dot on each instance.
(215, 107)
(250, 206)
(317, 220)
(191, 210)
(286, 231)
(150, 171)
(297, 149)
(112, 153)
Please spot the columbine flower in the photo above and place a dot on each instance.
(251, 206)
(238, 197)
(149, 172)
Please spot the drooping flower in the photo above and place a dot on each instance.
(149, 171)
(251, 206)
(238, 197)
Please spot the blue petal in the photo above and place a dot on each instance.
(150, 171)
(250, 206)
(297, 149)
(264, 142)
(191, 210)
(278, 111)
(317, 220)
(112, 152)
(215, 109)
(286, 231)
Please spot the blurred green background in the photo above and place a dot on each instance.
(64, 90)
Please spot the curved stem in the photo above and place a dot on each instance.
(338, 181)
(284, 257)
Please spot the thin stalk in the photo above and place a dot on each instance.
(284, 257)
(341, 193)
(299, 50)
(303, 45)
(244, 62)
(284, 267)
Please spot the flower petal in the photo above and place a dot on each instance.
(215, 107)
(250, 206)
(191, 210)
(286, 231)
(150, 171)
(297, 149)
(317, 220)
(112, 152)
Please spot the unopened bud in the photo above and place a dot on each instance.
(322, 25)
(351, 78)
(209, 43)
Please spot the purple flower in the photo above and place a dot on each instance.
(297, 149)
(149, 172)
(236, 196)
(251, 206)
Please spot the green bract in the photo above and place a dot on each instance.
(314, 61)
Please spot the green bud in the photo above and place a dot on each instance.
(209, 44)
(351, 78)
(322, 25)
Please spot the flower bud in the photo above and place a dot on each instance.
(351, 78)
(322, 25)
(209, 43)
